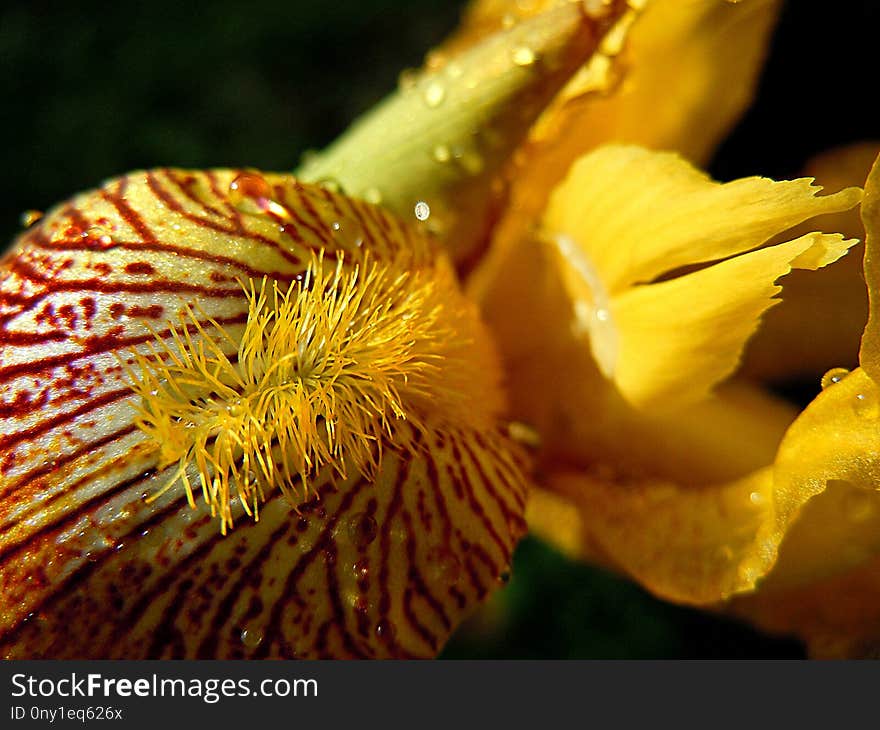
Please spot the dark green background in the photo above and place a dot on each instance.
(90, 90)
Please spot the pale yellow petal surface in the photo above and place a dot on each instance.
(639, 214)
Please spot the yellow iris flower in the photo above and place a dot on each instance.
(259, 415)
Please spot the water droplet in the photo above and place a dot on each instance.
(441, 153)
(250, 193)
(454, 70)
(348, 233)
(445, 566)
(331, 184)
(373, 196)
(249, 185)
(756, 498)
(524, 434)
(435, 93)
(407, 79)
(523, 56)
(471, 161)
(29, 217)
(251, 637)
(858, 506)
(362, 529)
(866, 405)
(833, 376)
(361, 568)
(435, 60)
(422, 210)
(361, 604)
(385, 629)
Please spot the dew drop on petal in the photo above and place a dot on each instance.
(444, 565)
(441, 153)
(347, 232)
(454, 70)
(385, 629)
(251, 637)
(373, 196)
(406, 81)
(524, 434)
(29, 217)
(865, 405)
(756, 498)
(435, 93)
(435, 59)
(362, 529)
(523, 56)
(249, 185)
(250, 193)
(331, 184)
(422, 210)
(361, 569)
(833, 376)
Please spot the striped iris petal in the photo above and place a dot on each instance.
(98, 560)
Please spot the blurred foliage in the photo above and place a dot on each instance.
(92, 89)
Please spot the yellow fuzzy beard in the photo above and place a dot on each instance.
(322, 370)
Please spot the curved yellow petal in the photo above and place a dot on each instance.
(869, 354)
(639, 214)
(807, 522)
(98, 558)
(826, 476)
(824, 585)
(678, 339)
(820, 321)
(691, 545)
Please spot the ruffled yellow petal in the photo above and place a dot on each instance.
(704, 544)
(100, 553)
(826, 476)
(639, 214)
(824, 586)
(626, 216)
(677, 339)
(820, 321)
